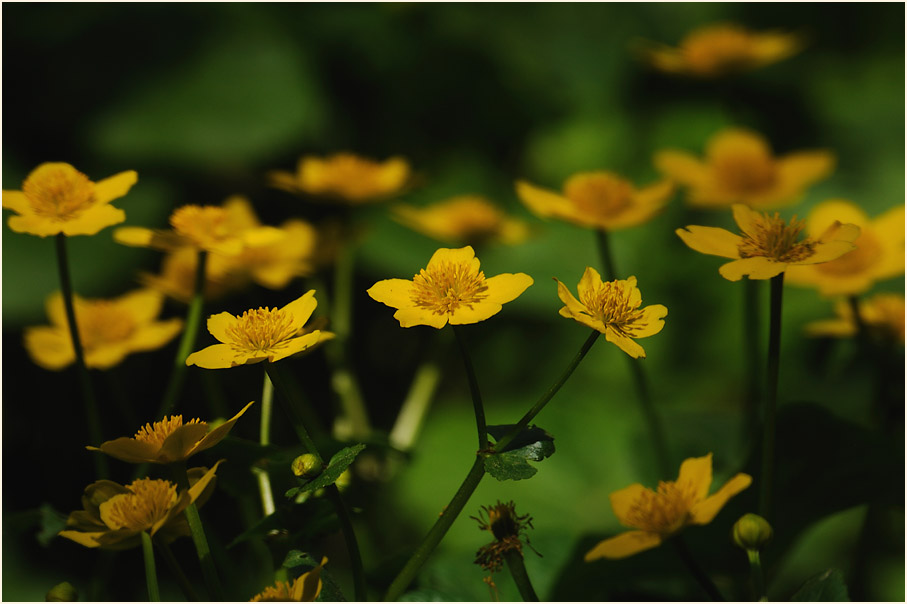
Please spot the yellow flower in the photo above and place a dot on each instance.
(768, 244)
(600, 200)
(657, 515)
(114, 516)
(168, 440)
(613, 309)
(451, 289)
(879, 254)
(463, 219)
(344, 176)
(177, 276)
(739, 167)
(883, 313)
(304, 588)
(57, 198)
(265, 334)
(110, 330)
(721, 49)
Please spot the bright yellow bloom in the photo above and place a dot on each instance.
(463, 219)
(304, 588)
(658, 515)
(739, 167)
(109, 330)
(879, 254)
(451, 289)
(344, 176)
(265, 334)
(721, 49)
(168, 440)
(177, 276)
(883, 313)
(114, 516)
(613, 308)
(599, 200)
(57, 198)
(768, 244)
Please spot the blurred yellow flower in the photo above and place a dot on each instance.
(168, 440)
(599, 200)
(721, 49)
(304, 588)
(882, 313)
(463, 219)
(879, 254)
(110, 330)
(265, 334)
(768, 245)
(739, 167)
(57, 198)
(658, 515)
(451, 289)
(613, 308)
(114, 516)
(177, 276)
(344, 176)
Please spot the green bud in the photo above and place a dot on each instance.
(62, 592)
(307, 466)
(751, 532)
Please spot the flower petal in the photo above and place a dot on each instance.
(624, 545)
(114, 186)
(571, 304)
(800, 169)
(16, 201)
(696, 472)
(301, 309)
(507, 287)
(415, 315)
(155, 335)
(465, 255)
(34, 225)
(93, 220)
(86, 539)
(143, 305)
(294, 346)
(828, 212)
(129, 450)
(543, 202)
(704, 511)
(180, 443)
(622, 501)
(218, 356)
(307, 587)
(106, 356)
(396, 293)
(747, 220)
(219, 324)
(757, 267)
(711, 240)
(651, 322)
(219, 433)
(589, 282)
(682, 167)
(628, 345)
(49, 347)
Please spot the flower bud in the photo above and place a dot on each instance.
(751, 532)
(62, 592)
(307, 466)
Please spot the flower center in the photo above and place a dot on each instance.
(103, 322)
(262, 329)
(717, 47)
(445, 287)
(662, 512)
(157, 433)
(474, 218)
(599, 194)
(856, 261)
(58, 191)
(203, 225)
(745, 169)
(148, 502)
(773, 238)
(612, 303)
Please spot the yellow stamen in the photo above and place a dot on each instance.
(201, 224)
(148, 502)
(158, 432)
(611, 303)
(446, 286)
(58, 191)
(262, 329)
(771, 237)
(661, 512)
(599, 194)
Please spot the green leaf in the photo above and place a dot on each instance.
(825, 587)
(339, 462)
(532, 444)
(52, 522)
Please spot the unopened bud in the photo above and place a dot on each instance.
(62, 592)
(307, 466)
(752, 532)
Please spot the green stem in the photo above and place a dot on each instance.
(473, 389)
(264, 438)
(178, 573)
(212, 581)
(756, 575)
(415, 406)
(290, 408)
(91, 402)
(517, 569)
(771, 396)
(693, 567)
(604, 250)
(154, 594)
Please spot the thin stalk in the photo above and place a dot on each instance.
(415, 406)
(693, 567)
(473, 389)
(771, 396)
(212, 581)
(264, 438)
(154, 594)
(751, 331)
(290, 408)
(517, 570)
(178, 573)
(604, 251)
(756, 575)
(91, 402)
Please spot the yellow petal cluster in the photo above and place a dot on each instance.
(344, 177)
(882, 313)
(304, 588)
(613, 308)
(739, 167)
(768, 245)
(657, 515)
(599, 200)
(464, 219)
(109, 330)
(56, 198)
(451, 289)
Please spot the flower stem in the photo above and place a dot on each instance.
(264, 438)
(154, 594)
(756, 575)
(703, 579)
(290, 408)
(473, 388)
(771, 395)
(604, 250)
(517, 569)
(178, 573)
(415, 406)
(751, 321)
(91, 402)
(198, 537)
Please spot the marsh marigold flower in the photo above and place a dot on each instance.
(721, 49)
(451, 289)
(265, 334)
(879, 254)
(613, 308)
(768, 244)
(882, 313)
(168, 440)
(658, 515)
(344, 176)
(109, 330)
(463, 219)
(739, 167)
(56, 198)
(114, 516)
(304, 588)
(599, 200)
(176, 278)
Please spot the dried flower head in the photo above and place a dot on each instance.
(508, 528)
